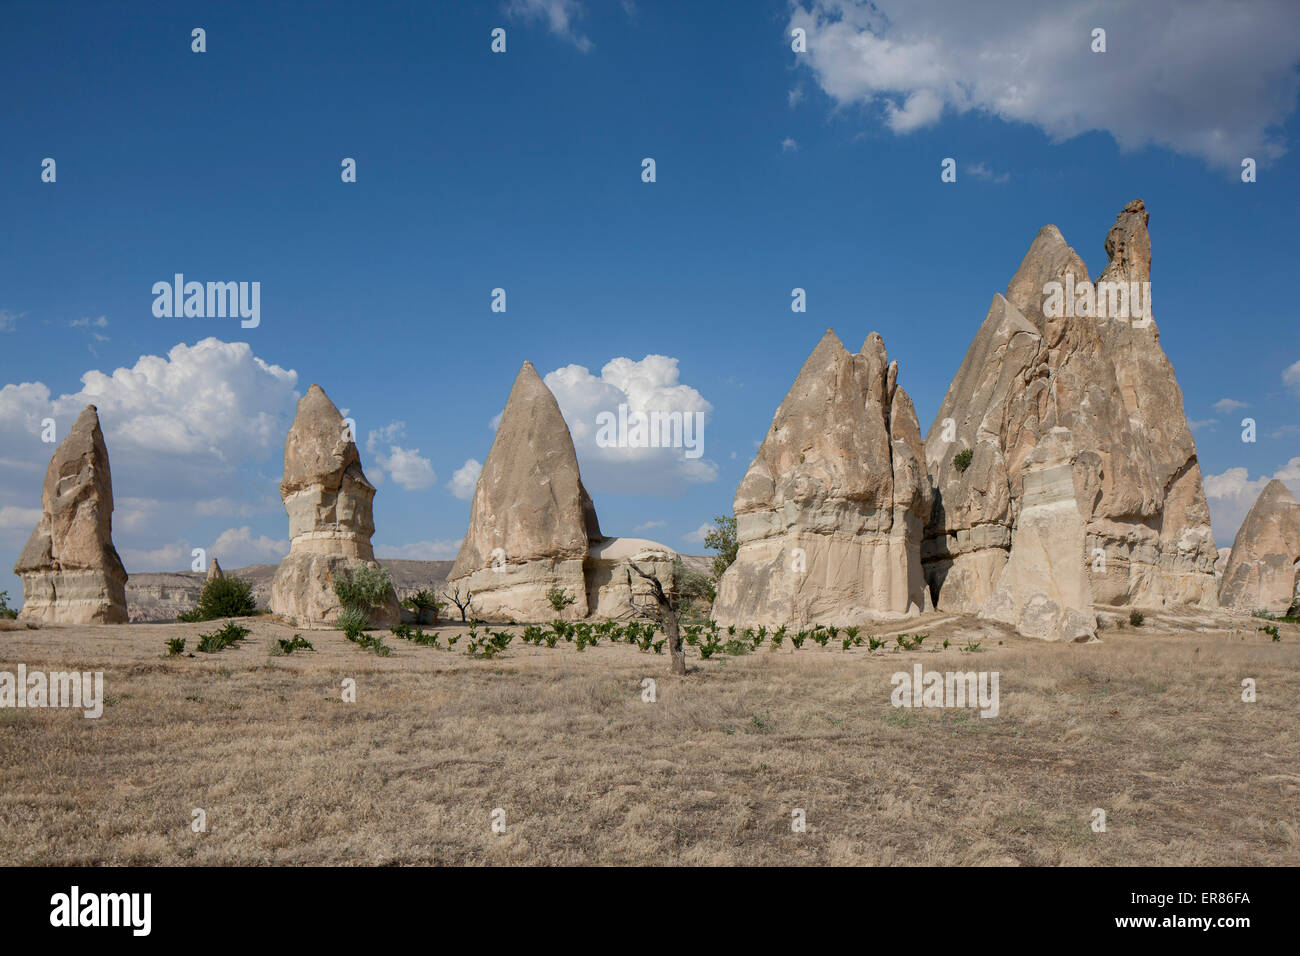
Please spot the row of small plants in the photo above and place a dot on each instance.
(708, 638)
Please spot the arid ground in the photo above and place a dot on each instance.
(1148, 725)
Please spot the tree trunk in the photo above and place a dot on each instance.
(675, 648)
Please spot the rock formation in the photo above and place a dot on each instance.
(830, 515)
(214, 571)
(532, 523)
(70, 570)
(612, 587)
(1044, 359)
(1263, 571)
(1043, 589)
(329, 503)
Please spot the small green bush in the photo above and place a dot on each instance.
(1136, 618)
(961, 461)
(222, 597)
(352, 622)
(175, 646)
(296, 643)
(228, 636)
(5, 610)
(559, 599)
(363, 586)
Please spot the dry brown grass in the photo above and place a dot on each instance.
(1148, 725)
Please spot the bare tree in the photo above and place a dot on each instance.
(688, 586)
(461, 600)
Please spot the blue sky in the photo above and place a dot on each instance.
(522, 171)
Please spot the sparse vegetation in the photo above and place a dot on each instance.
(5, 610)
(425, 604)
(363, 587)
(722, 539)
(961, 461)
(222, 597)
(175, 646)
(228, 636)
(296, 643)
(462, 597)
(1136, 618)
(559, 599)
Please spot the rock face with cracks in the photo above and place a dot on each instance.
(532, 524)
(1044, 589)
(1044, 359)
(329, 502)
(1263, 570)
(830, 515)
(71, 572)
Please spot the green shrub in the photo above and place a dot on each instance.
(5, 610)
(961, 461)
(222, 597)
(1136, 618)
(228, 636)
(352, 622)
(363, 586)
(175, 647)
(1272, 631)
(559, 599)
(296, 643)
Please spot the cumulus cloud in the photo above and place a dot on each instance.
(558, 15)
(788, 145)
(236, 547)
(1291, 377)
(1203, 423)
(183, 428)
(465, 478)
(648, 386)
(697, 536)
(648, 526)
(1226, 406)
(1212, 79)
(406, 467)
(1232, 492)
(982, 171)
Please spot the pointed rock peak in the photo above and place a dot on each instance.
(317, 443)
(874, 346)
(1275, 493)
(1128, 244)
(214, 571)
(1048, 260)
(829, 343)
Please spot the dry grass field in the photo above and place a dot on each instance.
(1148, 725)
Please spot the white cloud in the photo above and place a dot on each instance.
(982, 171)
(558, 15)
(1232, 492)
(237, 547)
(24, 519)
(408, 468)
(697, 536)
(1204, 423)
(1211, 79)
(181, 429)
(1226, 406)
(167, 557)
(788, 145)
(440, 550)
(465, 478)
(495, 422)
(650, 385)
(795, 96)
(384, 436)
(1291, 377)
(8, 321)
(648, 526)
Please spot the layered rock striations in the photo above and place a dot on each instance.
(1263, 569)
(831, 513)
(329, 502)
(532, 524)
(1055, 352)
(71, 572)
